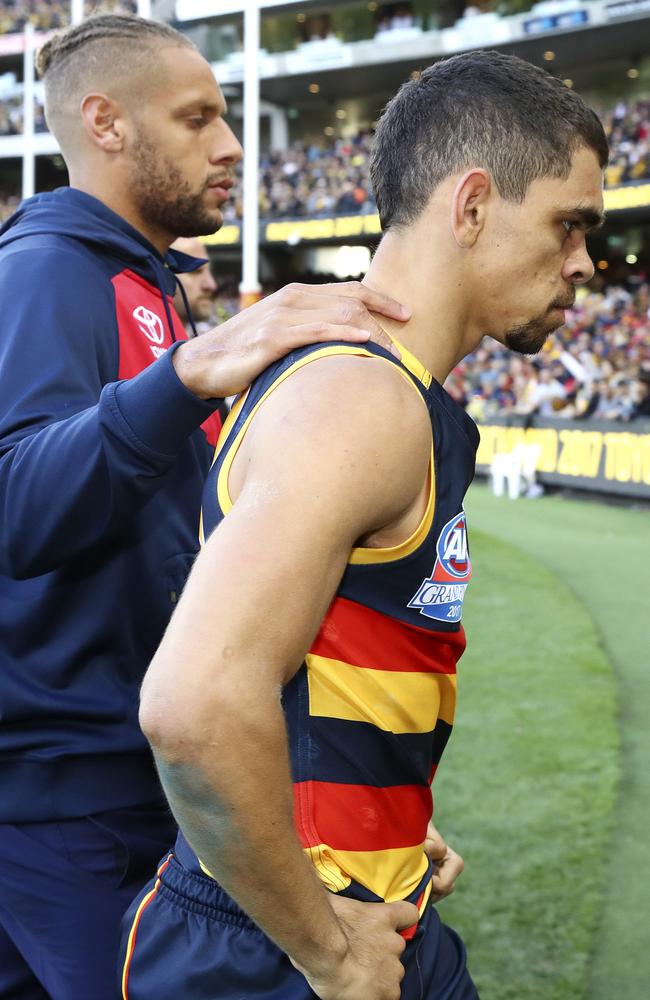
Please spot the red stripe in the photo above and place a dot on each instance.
(136, 924)
(361, 817)
(410, 931)
(367, 638)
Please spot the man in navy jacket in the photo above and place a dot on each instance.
(105, 408)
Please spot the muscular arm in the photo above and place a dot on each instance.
(313, 476)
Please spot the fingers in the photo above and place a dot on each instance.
(325, 332)
(443, 881)
(434, 845)
(403, 914)
(332, 314)
(301, 296)
(375, 301)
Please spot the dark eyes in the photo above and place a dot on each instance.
(569, 225)
(198, 121)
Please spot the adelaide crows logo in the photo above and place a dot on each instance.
(441, 595)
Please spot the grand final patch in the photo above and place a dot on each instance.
(441, 595)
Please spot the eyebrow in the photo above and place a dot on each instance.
(589, 218)
(199, 105)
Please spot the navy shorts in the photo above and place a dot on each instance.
(184, 937)
(64, 887)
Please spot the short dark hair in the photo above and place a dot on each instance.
(480, 109)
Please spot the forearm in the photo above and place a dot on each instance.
(232, 798)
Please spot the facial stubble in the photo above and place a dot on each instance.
(164, 198)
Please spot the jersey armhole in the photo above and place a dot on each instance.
(358, 555)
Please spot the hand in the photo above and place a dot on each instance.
(447, 865)
(371, 968)
(225, 360)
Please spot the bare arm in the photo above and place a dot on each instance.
(312, 478)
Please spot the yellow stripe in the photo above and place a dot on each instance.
(367, 556)
(414, 366)
(393, 700)
(228, 424)
(132, 933)
(223, 493)
(392, 874)
(358, 556)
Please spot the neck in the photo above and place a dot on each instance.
(115, 196)
(427, 279)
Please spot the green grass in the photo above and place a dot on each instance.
(527, 784)
(602, 553)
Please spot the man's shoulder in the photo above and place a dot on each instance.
(57, 255)
(338, 398)
(323, 370)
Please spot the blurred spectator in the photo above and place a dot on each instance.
(200, 289)
(47, 15)
(8, 204)
(309, 180)
(597, 365)
(11, 116)
(628, 132)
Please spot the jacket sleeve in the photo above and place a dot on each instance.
(79, 452)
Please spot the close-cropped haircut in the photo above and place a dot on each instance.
(480, 109)
(101, 51)
(106, 30)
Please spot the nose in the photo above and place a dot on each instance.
(208, 284)
(578, 266)
(226, 148)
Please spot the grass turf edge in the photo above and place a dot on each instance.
(527, 786)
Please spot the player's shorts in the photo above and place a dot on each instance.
(184, 937)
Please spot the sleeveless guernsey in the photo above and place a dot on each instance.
(371, 709)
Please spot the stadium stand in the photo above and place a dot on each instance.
(332, 177)
(47, 15)
(11, 116)
(597, 365)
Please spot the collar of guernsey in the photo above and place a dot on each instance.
(371, 709)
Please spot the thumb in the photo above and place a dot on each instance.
(435, 847)
(403, 915)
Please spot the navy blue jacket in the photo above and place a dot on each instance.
(102, 461)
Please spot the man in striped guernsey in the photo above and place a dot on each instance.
(305, 690)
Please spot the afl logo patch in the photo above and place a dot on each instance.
(150, 324)
(441, 595)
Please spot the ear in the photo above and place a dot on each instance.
(104, 122)
(468, 206)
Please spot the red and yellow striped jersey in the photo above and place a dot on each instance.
(370, 711)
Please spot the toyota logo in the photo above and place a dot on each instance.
(150, 324)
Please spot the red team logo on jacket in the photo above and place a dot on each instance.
(441, 595)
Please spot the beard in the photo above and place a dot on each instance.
(531, 337)
(165, 199)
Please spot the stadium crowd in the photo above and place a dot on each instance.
(597, 365)
(47, 15)
(313, 179)
(11, 116)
